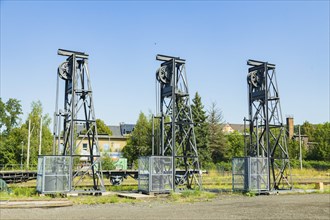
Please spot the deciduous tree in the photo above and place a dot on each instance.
(140, 140)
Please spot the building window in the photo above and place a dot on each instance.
(85, 147)
(106, 147)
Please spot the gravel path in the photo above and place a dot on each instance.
(300, 206)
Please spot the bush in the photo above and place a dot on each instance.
(224, 166)
(107, 164)
(208, 166)
(24, 191)
(312, 164)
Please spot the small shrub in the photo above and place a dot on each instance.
(24, 191)
(190, 193)
(250, 194)
(107, 163)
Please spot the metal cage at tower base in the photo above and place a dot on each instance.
(155, 174)
(54, 174)
(250, 174)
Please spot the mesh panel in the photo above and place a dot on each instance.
(239, 171)
(144, 174)
(53, 174)
(250, 174)
(258, 173)
(155, 174)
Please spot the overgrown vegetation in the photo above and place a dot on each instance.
(191, 196)
(14, 133)
(107, 163)
(94, 200)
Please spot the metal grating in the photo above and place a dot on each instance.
(155, 174)
(250, 174)
(53, 174)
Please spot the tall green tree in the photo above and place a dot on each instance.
(293, 149)
(47, 139)
(216, 136)
(201, 130)
(102, 128)
(9, 114)
(140, 140)
(235, 145)
(308, 129)
(11, 136)
(320, 142)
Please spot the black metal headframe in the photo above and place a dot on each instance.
(78, 109)
(177, 137)
(267, 133)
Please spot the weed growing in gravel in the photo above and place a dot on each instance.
(191, 196)
(94, 200)
(250, 194)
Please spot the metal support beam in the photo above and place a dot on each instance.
(177, 137)
(68, 53)
(166, 58)
(78, 107)
(267, 136)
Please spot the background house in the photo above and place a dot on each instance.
(230, 128)
(110, 145)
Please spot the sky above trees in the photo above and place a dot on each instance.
(215, 37)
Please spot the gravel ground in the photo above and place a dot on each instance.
(298, 206)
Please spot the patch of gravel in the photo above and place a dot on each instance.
(297, 206)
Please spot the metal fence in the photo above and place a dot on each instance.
(53, 174)
(250, 174)
(155, 174)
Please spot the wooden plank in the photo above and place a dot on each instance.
(135, 196)
(34, 204)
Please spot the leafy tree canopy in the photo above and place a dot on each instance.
(102, 128)
(9, 114)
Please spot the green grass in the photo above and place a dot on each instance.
(191, 196)
(218, 182)
(122, 188)
(94, 200)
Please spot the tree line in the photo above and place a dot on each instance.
(14, 134)
(214, 147)
(217, 148)
(212, 144)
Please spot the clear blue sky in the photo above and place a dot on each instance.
(122, 38)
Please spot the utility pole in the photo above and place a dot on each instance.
(22, 156)
(300, 153)
(28, 149)
(40, 135)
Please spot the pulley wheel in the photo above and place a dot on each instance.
(255, 78)
(63, 71)
(162, 75)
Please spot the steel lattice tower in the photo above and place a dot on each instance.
(267, 133)
(78, 109)
(177, 137)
